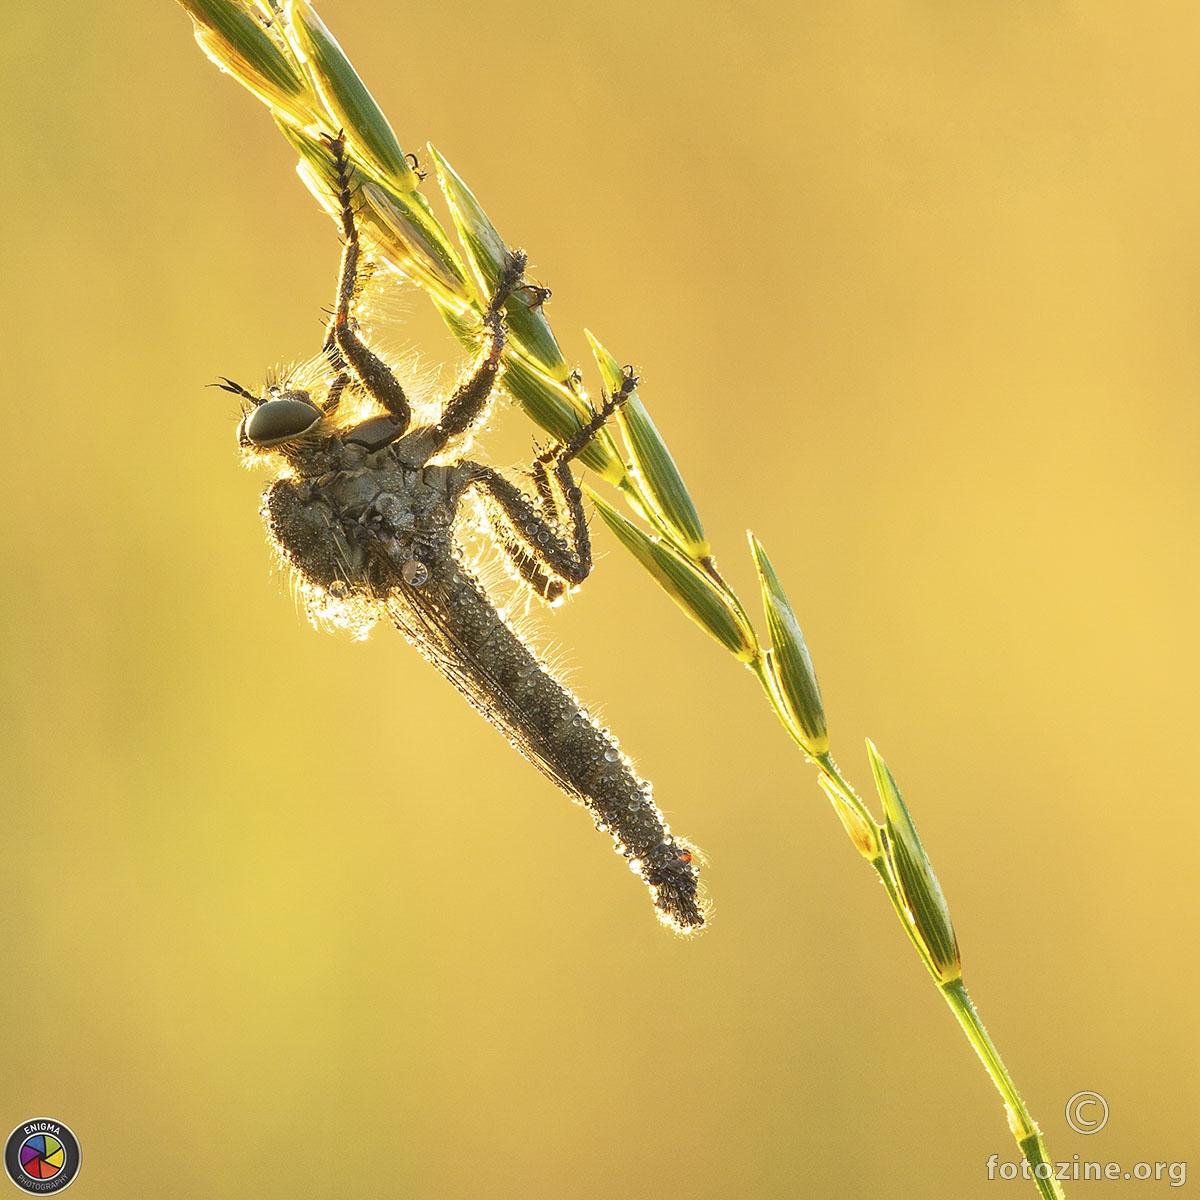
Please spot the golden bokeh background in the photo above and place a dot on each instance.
(915, 289)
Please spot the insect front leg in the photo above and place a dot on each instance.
(546, 538)
(349, 354)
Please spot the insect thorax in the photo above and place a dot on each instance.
(355, 524)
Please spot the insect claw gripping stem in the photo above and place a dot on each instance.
(538, 295)
(415, 163)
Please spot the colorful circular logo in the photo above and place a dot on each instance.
(42, 1156)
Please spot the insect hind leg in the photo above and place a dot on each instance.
(545, 538)
(529, 537)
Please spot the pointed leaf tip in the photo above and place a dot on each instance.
(927, 907)
(790, 663)
(661, 483)
(488, 254)
(237, 42)
(693, 590)
(346, 96)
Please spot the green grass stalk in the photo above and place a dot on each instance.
(284, 54)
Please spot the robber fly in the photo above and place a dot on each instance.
(365, 510)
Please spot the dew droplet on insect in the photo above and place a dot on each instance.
(611, 756)
(415, 573)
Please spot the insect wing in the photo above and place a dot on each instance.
(453, 624)
(456, 629)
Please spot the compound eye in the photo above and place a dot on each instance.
(278, 421)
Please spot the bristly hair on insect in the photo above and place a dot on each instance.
(366, 508)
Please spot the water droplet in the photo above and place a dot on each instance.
(611, 756)
(415, 573)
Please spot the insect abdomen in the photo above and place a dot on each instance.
(506, 681)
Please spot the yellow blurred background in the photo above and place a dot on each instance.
(915, 290)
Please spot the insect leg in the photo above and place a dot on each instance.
(342, 343)
(529, 538)
(470, 398)
(546, 538)
(344, 378)
(583, 436)
(552, 476)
